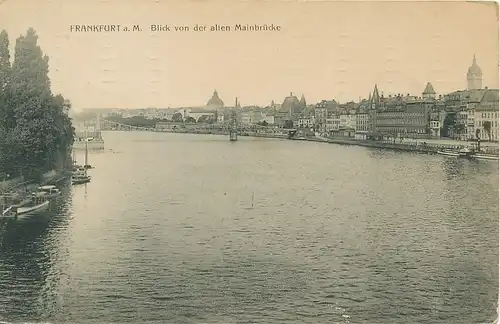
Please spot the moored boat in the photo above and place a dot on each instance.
(80, 178)
(39, 202)
(469, 154)
(462, 153)
(486, 157)
(49, 191)
(9, 211)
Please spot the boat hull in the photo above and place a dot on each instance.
(458, 155)
(33, 209)
(80, 180)
(52, 195)
(486, 157)
(471, 156)
(9, 212)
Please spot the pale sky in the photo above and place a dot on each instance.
(324, 50)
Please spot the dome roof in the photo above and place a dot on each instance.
(215, 100)
(474, 68)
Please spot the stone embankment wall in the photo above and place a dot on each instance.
(52, 176)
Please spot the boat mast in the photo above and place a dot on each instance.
(233, 128)
(86, 155)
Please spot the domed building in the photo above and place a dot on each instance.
(474, 76)
(215, 102)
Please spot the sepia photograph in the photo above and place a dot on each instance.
(224, 162)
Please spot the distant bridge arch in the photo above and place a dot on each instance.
(104, 124)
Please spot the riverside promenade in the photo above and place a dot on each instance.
(422, 146)
(430, 146)
(21, 186)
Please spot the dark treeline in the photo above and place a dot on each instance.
(137, 121)
(36, 134)
(140, 121)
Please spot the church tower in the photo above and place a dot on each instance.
(429, 92)
(474, 76)
(375, 99)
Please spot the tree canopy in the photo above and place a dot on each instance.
(487, 128)
(177, 117)
(37, 133)
(190, 119)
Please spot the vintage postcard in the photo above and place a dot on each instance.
(268, 162)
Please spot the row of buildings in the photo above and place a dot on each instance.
(465, 114)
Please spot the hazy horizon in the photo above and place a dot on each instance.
(324, 50)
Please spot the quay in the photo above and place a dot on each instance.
(421, 147)
(21, 186)
(430, 148)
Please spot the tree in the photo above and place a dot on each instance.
(190, 119)
(177, 117)
(4, 59)
(204, 119)
(6, 113)
(449, 124)
(37, 132)
(31, 101)
(288, 124)
(487, 128)
(459, 129)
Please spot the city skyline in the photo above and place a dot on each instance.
(324, 50)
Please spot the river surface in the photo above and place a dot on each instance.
(179, 228)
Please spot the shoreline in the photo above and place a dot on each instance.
(429, 148)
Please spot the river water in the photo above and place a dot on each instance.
(178, 228)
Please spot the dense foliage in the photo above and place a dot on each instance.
(36, 134)
(449, 124)
(487, 128)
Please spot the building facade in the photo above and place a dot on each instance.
(362, 125)
(486, 116)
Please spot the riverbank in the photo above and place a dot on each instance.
(422, 146)
(21, 185)
(428, 148)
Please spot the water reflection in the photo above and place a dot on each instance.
(471, 216)
(336, 231)
(29, 257)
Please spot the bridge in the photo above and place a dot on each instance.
(104, 124)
